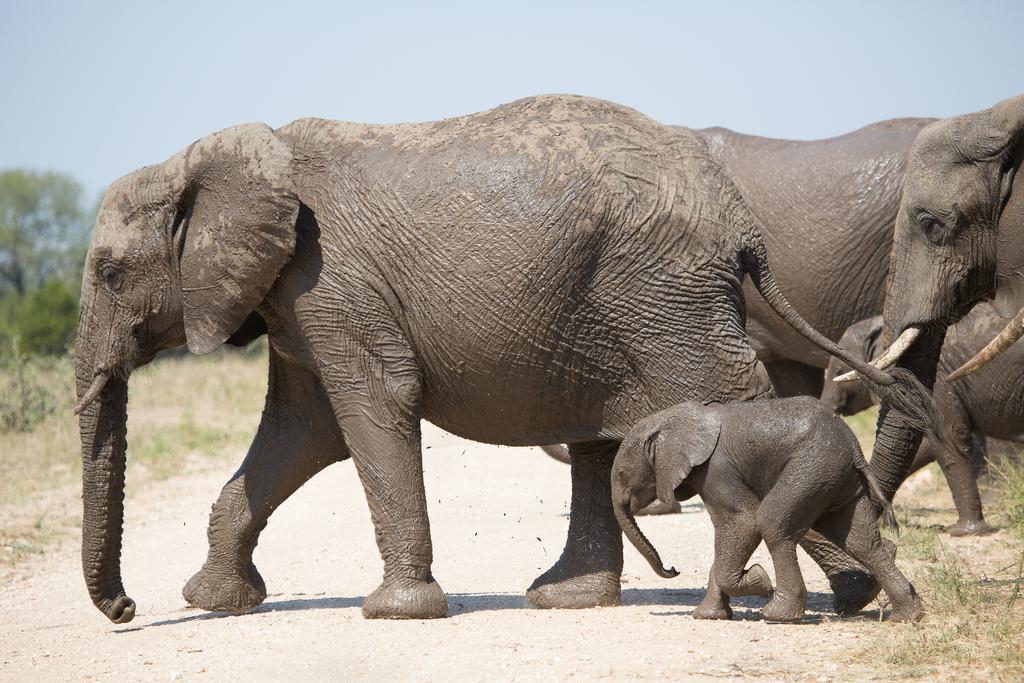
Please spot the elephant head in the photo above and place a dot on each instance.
(182, 252)
(654, 461)
(958, 235)
(860, 339)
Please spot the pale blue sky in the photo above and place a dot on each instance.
(98, 89)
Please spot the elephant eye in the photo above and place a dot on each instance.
(934, 230)
(111, 273)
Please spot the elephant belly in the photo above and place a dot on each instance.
(541, 388)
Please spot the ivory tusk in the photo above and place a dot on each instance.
(891, 355)
(94, 390)
(1002, 341)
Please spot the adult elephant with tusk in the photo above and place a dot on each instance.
(584, 258)
(959, 237)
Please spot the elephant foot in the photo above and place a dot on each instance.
(660, 508)
(908, 613)
(970, 527)
(219, 591)
(406, 599)
(757, 582)
(852, 591)
(712, 611)
(783, 610)
(565, 587)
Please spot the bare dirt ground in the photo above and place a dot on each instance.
(498, 519)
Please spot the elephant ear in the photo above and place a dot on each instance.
(686, 440)
(870, 346)
(234, 230)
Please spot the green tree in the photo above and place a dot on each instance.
(43, 238)
(43, 229)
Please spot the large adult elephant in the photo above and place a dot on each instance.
(551, 270)
(826, 209)
(959, 238)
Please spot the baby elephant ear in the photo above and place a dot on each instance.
(235, 227)
(687, 439)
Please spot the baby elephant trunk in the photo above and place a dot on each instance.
(622, 504)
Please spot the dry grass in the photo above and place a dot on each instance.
(181, 411)
(973, 588)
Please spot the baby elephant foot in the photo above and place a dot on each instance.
(970, 527)
(216, 590)
(712, 610)
(784, 610)
(406, 599)
(757, 582)
(567, 585)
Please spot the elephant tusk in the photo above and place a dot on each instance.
(94, 390)
(1002, 341)
(891, 355)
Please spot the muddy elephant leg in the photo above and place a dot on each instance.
(375, 389)
(587, 574)
(297, 437)
(958, 465)
(856, 529)
(853, 586)
(790, 378)
(735, 542)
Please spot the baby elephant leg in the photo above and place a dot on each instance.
(735, 541)
(778, 521)
(862, 540)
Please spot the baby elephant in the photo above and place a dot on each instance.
(768, 470)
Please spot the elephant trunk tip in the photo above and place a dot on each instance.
(669, 573)
(121, 610)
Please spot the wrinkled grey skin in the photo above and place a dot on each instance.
(765, 470)
(959, 235)
(547, 271)
(826, 208)
(988, 403)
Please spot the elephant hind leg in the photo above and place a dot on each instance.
(297, 437)
(587, 573)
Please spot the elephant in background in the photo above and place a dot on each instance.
(958, 240)
(548, 271)
(989, 403)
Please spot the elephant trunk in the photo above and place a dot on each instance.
(622, 505)
(896, 438)
(103, 428)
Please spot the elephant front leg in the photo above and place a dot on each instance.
(390, 467)
(297, 438)
(376, 393)
(587, 574)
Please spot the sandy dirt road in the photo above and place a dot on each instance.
(498, 519)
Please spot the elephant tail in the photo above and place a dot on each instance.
(764, 281)
(874, 491)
